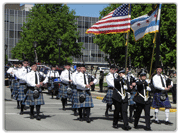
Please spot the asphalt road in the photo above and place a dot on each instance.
(55, 119)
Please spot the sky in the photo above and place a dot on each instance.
(90, 10)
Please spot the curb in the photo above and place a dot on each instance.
(162, 109)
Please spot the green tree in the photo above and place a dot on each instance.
(45, 24)
(141, 51)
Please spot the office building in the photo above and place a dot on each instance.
(16, 15)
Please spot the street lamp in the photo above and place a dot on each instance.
(59, 42)
(35, 45)
(6, 46)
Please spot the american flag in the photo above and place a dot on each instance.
(117, 21)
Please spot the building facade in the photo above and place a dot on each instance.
(14, 19)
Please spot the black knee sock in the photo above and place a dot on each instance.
(38, 109)
(31, 109)
(22, 107)
(63, 102)
(107, 107)
(131, 109)
(88, 112)
(17, 103)
(80, 112)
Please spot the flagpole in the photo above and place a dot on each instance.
(126, 46)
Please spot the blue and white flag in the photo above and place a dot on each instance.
(146, 24)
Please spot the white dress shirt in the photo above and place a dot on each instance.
(30, 78)
(51, 73)
(157, 82)
(73, 76)
(80, 83)
(22, 72)
(65, 76)
(110, 79)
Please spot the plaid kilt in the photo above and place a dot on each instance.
(21, 95)
(29, 99)
(108, 97)
(12, 83)
(63, 92)
(130, 101)
(158, 103)
(87, 103)
(15, 90)
(52, 85)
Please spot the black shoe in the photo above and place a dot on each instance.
(18, 107)
(148, 129)
(81, 119)
(31, 116)
(38, 118)
(110, 110)
(25, 108)
(106, 114)
(168, 123)
(157, 122)
(127, 128)
(21, 113)
(75, 113)
(88, 120)
(115, 126)
(63, 108)
(131, 119)
(136, 126)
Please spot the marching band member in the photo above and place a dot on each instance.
(21, 74)
(51, 77)
(108, 97)
(120, 100)
(160, 98)
(143, 101)
(78, 67)
(65, 84)
(83, 98)
(34, 96)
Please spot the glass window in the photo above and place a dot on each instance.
(86, 39)
(86, 24)
(11, 18)
(11, 26)
(20, 13)
(19, 27)
(11, 34)
(11, 12)
(20, 20)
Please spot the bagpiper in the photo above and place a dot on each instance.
(120, 100)
(143, 100)
(65, 86)
(83, 98)
(74, 89)
(34, 96)
(108, 97)
(161, 84)
(52, 79)
(21, 74)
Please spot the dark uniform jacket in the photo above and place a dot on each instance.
(116, 96)
(140, 89)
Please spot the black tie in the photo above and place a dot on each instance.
(162, 81)
(26, 69)
(69, 75)
(84, 79)
(54, 73)
(36, 82)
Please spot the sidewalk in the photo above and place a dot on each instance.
(100, 95)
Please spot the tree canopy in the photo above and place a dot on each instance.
(47, 23)
(140, 52)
